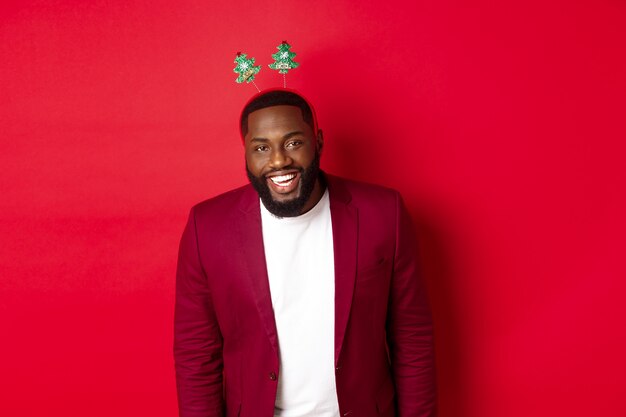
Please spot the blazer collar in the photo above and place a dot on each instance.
(345, 221)
(250, 234)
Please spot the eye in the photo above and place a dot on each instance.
(293, 144)
(261, 148)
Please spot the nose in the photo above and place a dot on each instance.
(278, 159)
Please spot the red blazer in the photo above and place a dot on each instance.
(225, 342)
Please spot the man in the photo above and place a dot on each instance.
(298, 295)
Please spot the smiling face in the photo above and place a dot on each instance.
(282, 160)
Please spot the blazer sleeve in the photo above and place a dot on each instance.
(410, 327)
(197, 337)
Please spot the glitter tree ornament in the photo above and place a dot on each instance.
(283, 60)
(246, 69)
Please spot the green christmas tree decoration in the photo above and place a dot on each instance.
(245, 68)
(283, 59)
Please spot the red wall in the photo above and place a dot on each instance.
(501, 122)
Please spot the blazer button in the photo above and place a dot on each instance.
(272, 376)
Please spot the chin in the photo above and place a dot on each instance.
(286, 198)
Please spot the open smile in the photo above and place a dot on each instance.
(283, 183)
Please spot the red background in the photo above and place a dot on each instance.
(502, 123)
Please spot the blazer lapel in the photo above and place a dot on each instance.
(345, 235)
(250, 233)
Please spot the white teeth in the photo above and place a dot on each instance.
(279, 179)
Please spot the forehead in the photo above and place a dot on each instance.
(276, 118)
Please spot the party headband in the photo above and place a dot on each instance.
(283, 62)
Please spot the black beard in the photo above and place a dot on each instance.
(293, 207)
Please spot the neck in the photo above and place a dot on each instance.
(316, 195)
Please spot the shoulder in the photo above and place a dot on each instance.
(358, 192)
(230, 202)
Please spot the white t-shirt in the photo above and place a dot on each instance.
(301, 271)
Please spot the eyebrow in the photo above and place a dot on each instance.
(285, 137)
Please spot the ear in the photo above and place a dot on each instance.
(320, 140)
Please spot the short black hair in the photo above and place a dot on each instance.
(276, 98)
